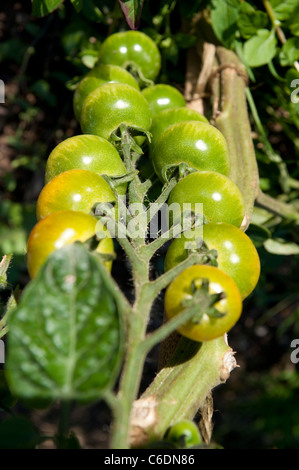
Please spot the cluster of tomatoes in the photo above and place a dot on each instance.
(184, 141)
(230, 269)
(114, 93)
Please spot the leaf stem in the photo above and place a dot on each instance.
(271, 154)
(277, 207)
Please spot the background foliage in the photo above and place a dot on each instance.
(42, 56)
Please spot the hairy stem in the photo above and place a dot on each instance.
(180, 388)
(231, 118)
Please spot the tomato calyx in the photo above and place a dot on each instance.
(125, 139)
(208, 257)
(202, 296)
(116, 181)
(136, 72)
(176, 170)
(198, 246)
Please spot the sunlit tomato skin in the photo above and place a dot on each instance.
(111, 105)
(220, 197)
(219, 283)
(85, 152)
(184, 434)
(236, 254)
(132, 47)
(60, 229)
(98, 76)
(162, 96)
(76, 190)
(200, 145)
(168, 117)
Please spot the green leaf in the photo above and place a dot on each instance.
(293, 23)
(251, 20)
(289, 52)
(44, 7)
(224, 16)
(281, 247)
(260, 49)
(284, 9)
(132, 10)
(64, 337)
(77, 4)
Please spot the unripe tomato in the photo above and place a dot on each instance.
(200, 145)
(60, 229)
(162, 96)
(184, 434)
(204, 326)
(167, 117)
(98, 76)
(237, 255)
(76, 190)
(86, 152)
(132, 48)
(111, 105)
(220, 197)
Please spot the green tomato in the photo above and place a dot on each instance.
(236, 254)
(98, 76)
(60, 229)
(197, 144)
(204, 326)
(167, 117)
(76, 190)
(86, 152)
(131, 49)
(162, 96)
(111, 105)
(184, 434)
(220, 197)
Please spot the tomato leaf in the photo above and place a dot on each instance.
(281, 247)
(132, 10)
(260, 48)
(293, 23)
(224, 17)
(289, 52)
(44, 7)
(64, 337)
(284, 10)
(251, 20)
